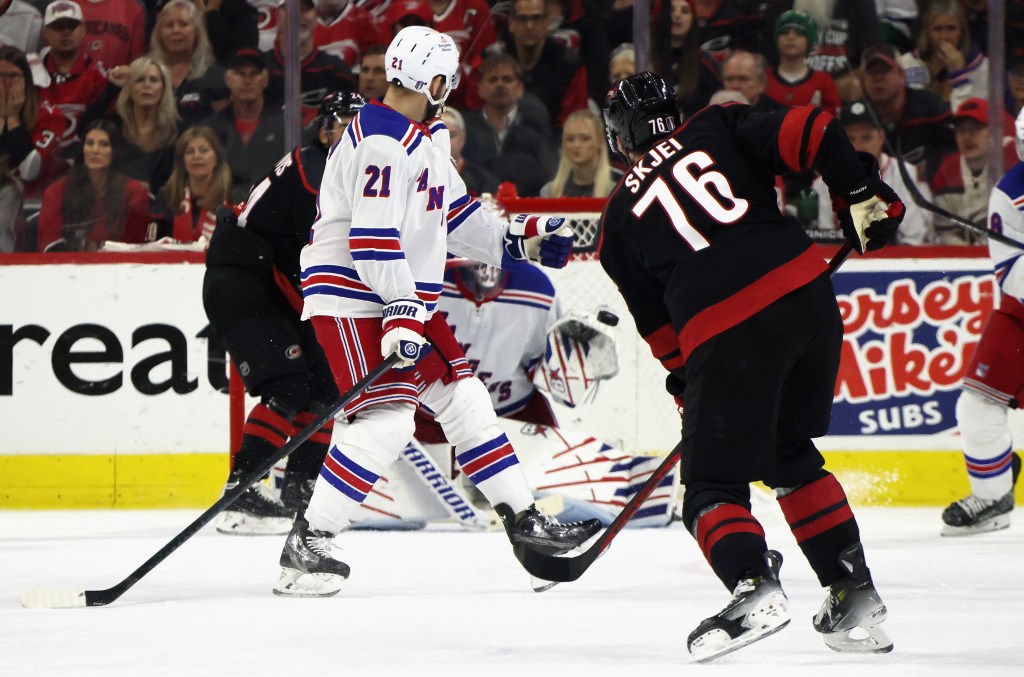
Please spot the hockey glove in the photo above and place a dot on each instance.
(870, 212)
(403, 330)
(545, 239)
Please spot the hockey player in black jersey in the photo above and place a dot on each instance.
(252, 298)
(734, 299)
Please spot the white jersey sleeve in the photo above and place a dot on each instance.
(1006, 216)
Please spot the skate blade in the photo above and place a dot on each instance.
(540, 585)
(295, 583)
(233, 523)
(862, 639)
(997, 523)
(770, 617)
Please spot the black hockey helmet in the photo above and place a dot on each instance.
(338, 106)
(639, 110)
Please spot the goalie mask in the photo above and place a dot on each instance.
(639, 111)
(579, 354)
(481, 282)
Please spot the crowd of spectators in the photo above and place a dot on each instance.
(134, 119)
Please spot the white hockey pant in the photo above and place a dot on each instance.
(463, 410)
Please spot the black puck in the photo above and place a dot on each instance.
(607, 317)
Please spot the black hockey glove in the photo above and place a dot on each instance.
(870, 212)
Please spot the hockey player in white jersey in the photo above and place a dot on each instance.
(391, 207)
(994, 381)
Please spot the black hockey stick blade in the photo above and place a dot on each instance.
(569, 567)
(67, 598)
(564, 568)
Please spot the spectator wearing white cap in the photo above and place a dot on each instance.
(78, 88)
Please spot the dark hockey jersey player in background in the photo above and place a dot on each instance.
(734, 299)
(252, 298)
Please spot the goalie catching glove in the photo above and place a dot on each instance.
(580, 352)
(403, 330)
(545, 239)
(870, 212)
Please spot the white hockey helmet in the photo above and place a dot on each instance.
(418, 54)
(1020, 134)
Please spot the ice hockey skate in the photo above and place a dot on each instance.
(257, 512)
(975, 515)
(758, 608)
(308, 569)
(296, 492)
(545, 534)
(849, 618)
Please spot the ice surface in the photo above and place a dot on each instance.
(453, 603)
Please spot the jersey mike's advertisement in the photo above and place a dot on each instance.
(110, 383)
(908, 338)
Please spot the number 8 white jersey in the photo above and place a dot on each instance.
(1006, 216)
(391, 206)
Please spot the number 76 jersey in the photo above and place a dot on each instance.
(693, 236)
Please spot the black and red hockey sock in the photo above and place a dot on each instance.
(265, 432)
(820, 517)
(307, 459)
(732, 541)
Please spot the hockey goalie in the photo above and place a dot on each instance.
(521, 346)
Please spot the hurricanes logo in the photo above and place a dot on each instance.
(293, 352)
(244, 369)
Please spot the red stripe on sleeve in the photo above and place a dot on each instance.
(817, 134)
(791, 134)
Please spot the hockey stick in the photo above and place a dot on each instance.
(66, 598)
(920, 200)
(561, 569)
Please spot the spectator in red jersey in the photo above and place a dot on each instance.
(181, 42)
(78, 88)
(551, 71)
(746, 73)
(468, 22)
(793, 82)
(29, 130)
(962, 184)
(945, 60)
(916, 121)
(231, 24)
(266, 22)
(677, 56)
(95, 202)
(845, 30)
(200, 182)
(252, 131)
(319, 72)
(346, 31)
(149, 119)
(373, 78)
(115, 31)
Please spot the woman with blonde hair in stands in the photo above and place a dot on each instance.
(95, 202)
(181, 43)
(149, 121)
(584, 169)
(945, 60)
(199, 183)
